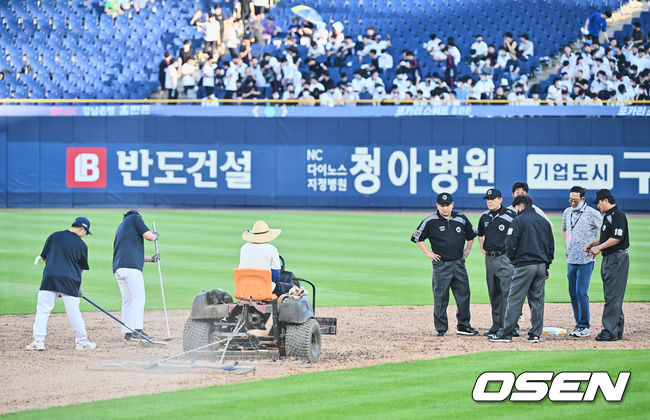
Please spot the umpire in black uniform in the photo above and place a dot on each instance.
(492, 228)
(447, 232)
(530, 247)
(613, 243)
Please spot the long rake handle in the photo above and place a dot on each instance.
(142, 336)
(162, 289)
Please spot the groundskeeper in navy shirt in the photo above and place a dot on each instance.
(128, 247)
(65, 255)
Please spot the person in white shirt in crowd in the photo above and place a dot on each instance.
(484, 86)
(316, 85)
(623, 96)
(400, 82)
(629, 50)
(327, 98)
(171, 79)
(565, 99)
(379, 95)
(433, 44)
(599, 83)
(599, 66)
(239, 66)
(261, 82)
(373, 80)
(188, 79)
(502, 59)
(358, 82)
(641, 60)
(385, 61)
(526, 47)
(582, 66)
(568, 55)
(479, 46)
(230, 80)
(439, 55)
(568, 69)
(426, 86)
(554, 90)
(516, 96)
(566, 82)
(315, 50)
(211, 35)
(453, 50)
(351, 97)
(208, 71)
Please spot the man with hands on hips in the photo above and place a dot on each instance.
(451, 235)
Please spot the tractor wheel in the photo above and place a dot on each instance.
(196, 334)
(303, 341)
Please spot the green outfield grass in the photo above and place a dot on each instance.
(354, 258)
(402, 391)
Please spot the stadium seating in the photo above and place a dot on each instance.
(77, 51)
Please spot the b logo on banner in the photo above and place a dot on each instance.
(85, 167)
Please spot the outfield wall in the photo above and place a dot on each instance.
(333, 162)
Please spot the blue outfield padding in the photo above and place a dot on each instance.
(344, 162)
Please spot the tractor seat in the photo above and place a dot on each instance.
(253, 284)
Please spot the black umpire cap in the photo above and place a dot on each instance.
(491, 194)
(444, 198)
(132, 211)
(602, 194)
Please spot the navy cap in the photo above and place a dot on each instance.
(492, 193)
(132, 211)
(82, 222)
(444, 198)
(602, 194)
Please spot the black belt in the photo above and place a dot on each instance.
(614, 252)
(494, 253)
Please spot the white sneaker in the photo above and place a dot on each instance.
(85, 345)
(36, 345)
(581, 332)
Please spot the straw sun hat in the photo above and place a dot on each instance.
(260, 233)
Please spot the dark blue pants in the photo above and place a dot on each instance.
(579, 276)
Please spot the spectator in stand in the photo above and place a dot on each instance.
(622, 95)
(439, 55)
(230, 37)
(513, 68)
(491, 53)
(581, 67)
(600, 83)
(462, 91)
(502, 59)
(306, 99)
(261, 7)
(379, 94)
(292, 32)
(141, 4)
(517, 97)
(596, 23)
(186, 52)
(162, 70)
(641, 60)
(499, 95)
(249, 86)
(565, 99)
(243, 9)
(600, 66)
(433, 45)
(171, 79)
(554, 90)
(315, 50)
(638, 36)
(112, 7)
(209, 70)
(211, 35)
(484, 88)
(385, 61)
(453, 50)
(509, 44)
(188, 78)
(221, 18)
(197, 19)
(479, 46)
(568, 55)
(230, 80)
(526, 48)
(271, 30)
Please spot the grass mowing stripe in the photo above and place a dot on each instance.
(354, 258)
(425, 389)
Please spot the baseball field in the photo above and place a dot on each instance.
(384, 362)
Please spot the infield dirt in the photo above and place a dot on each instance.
(366, 336)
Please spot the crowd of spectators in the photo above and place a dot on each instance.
(312, 64)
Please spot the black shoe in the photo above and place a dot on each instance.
(131, 337)
(603, 336)
(489, 333)
(499, 339)
(515, 333)
(533, 339)
(441, 333)
(461, 330)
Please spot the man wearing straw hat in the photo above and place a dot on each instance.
(257, 252)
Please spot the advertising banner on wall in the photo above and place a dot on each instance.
(203, 174)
